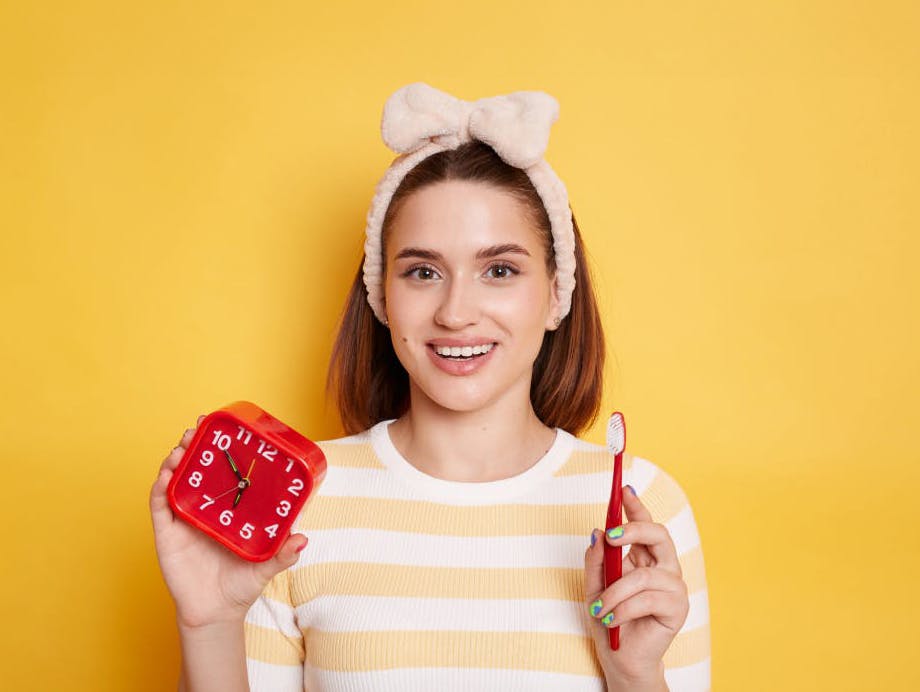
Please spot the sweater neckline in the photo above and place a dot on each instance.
(440, 488)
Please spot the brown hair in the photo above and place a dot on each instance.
(369, 383)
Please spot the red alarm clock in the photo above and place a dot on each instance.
(244, 478)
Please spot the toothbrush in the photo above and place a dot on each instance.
(613, 555)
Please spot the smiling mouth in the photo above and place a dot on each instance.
(462, 352)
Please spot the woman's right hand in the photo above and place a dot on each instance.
(209, 583)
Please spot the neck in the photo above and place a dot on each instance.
(495, 442)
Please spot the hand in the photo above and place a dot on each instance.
(243, 484)
(209, 583)
(649, 602)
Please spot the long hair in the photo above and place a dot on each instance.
(368, 382)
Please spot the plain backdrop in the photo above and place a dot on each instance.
(184, 188)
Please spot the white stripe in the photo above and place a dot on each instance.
(698, 615)
(683, 531)
(342, 481)
(269, 677)
(693, 678)
(450, 680)
(274, 615)
(382, 613)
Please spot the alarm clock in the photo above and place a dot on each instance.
(244, 479)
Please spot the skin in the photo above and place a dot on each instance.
(455, 423)
(452, 430)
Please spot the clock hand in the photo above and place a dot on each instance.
(233, 465)
(227, 492)
(239, 495)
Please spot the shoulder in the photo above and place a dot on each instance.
(349, 450)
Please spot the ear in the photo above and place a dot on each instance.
(553, 306)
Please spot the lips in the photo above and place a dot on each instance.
(460, 364)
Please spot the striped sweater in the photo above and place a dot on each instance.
(412, 582)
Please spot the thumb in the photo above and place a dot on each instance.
(286, 557)
(594, 566)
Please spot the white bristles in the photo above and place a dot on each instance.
(616, 433)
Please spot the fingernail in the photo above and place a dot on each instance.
(593, 537)
(613, 534)
(631, 489)
(297, 550)
(596, 607)
(607, 619)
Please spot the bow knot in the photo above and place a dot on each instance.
(515, 125)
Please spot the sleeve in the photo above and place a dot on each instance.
(687, 661)
(274, 642)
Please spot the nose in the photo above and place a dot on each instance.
(459, 305)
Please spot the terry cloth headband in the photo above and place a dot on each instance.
(419, 120)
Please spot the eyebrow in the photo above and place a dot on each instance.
(484, 253)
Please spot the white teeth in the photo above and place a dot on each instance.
(466, 351)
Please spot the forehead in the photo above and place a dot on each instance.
(461, 216)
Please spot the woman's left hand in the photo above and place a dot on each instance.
(649, 602)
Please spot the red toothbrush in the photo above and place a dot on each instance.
(613, 555)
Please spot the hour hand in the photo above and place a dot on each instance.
(233, 465)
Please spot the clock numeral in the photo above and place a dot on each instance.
(271, 530)
(296, 487)
(221, 440)
(195, 479)
(285, 506)
(246, 531)
(207, 503)
(226, 517)
(289, 466)
(207, 456)
(243, 433)
(267, 451)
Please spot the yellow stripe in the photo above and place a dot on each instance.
(664, 498)
(688, 648)
(693, 570)
(271, 646)
(374, 579)
(414, 516)
(544, 651)
(357, 455)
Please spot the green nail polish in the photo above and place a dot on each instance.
(607, 619)
(615, 533)
(596, 607)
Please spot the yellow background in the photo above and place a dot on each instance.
(184, 187)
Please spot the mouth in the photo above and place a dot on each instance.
(462, 353)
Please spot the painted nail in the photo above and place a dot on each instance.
(615, 533)
(593, 537)
(631, 489)
(596, 607)
(607, 619)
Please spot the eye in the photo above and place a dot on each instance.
(423, 272)
(501, 271)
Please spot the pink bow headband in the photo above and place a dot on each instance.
(419, 120)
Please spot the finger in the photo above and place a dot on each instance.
(160, 512)
(173, 458)
(638, 580)
(200, 418)
(651, 536)
(187, 437)
(594, 566)
(284, 558)
(669, 608)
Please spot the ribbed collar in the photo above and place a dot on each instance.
(469, 491)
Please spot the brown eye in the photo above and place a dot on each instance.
(501, 271)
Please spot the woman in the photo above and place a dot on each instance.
(447, 539)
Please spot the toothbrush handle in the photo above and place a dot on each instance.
(613, 555)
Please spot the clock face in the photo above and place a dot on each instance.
(240, 488)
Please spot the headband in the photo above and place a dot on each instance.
(419, 120)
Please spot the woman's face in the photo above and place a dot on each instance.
(465, 269)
